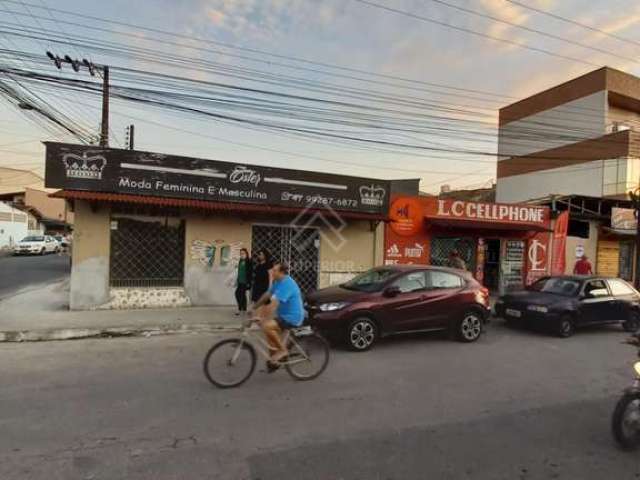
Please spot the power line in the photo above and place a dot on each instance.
(535, 31)
(474, 32)
(574, 22)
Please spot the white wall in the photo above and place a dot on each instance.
(583, 179)
(11, 231)
(569, 123)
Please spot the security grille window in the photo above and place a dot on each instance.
(147, 252)
(441, 248)
(297, 247)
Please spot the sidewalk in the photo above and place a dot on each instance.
(41, 314)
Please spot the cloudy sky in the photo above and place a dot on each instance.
(414, 57)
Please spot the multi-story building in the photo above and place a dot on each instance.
(576, 147)
(580, 137)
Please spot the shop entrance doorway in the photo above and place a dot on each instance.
(441, 248)
(297, 247)
(492, 264)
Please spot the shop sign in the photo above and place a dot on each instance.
(406, 215)
(537, 258)
(623, 219)
(488, 212)
(82, 167)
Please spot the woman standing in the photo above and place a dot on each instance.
(243, 280)
(261, 277)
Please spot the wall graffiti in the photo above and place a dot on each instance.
(216, 253)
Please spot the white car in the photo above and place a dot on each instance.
(36, 244)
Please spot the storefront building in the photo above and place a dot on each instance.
(154, 230)
(505, 246)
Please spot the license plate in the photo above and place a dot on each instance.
(513, 313)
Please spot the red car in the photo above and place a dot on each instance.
(400, 299)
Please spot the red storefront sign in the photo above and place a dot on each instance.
(558, 260)
(487, 212)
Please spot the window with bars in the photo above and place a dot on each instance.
(147, 252)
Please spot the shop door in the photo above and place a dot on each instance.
(608, 261)
(625, 261)
(512, 266)
(297, 247)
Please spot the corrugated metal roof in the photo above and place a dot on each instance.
(201, 204)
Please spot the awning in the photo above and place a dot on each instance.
(617, 231)
(229, 207)
(482, 225)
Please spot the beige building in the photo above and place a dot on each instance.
(25, 190)
(153, 230)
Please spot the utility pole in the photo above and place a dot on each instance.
(91, 67)
(129, 137)
(635, 199)
(104, 132)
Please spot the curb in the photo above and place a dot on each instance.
(110, 332)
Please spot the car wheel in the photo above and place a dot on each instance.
(565, 326)
(470, 327)
(633, 324)
(43, 251)
(361, 334)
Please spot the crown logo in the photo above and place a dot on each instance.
(372, 195)
(86, 167)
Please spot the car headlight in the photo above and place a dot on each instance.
(329, 307)
(636, 367)
(537, 308)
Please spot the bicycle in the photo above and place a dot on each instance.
(231, 362)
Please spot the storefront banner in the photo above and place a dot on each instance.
(537, 257)
(486, 212)
(624, 219)
(558, 259)
(403, 249)
(82, 167)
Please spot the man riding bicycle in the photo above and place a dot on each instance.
(279, 308)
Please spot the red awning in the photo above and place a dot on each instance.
(230, 207)
(476, 224)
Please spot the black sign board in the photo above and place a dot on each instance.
(82, 167)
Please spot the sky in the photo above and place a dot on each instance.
(347, 33)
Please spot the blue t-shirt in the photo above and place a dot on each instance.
(289, 299)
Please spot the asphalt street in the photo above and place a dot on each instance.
(20, 272)
(515, 405)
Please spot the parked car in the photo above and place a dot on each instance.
(400, 299)
(36, 244)
(564, 303)
(62, 240)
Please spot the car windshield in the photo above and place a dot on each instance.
(33, 238)
(370, 281)
(559, 286)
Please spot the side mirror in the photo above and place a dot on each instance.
(391, 291)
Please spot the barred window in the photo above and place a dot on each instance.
(147, 252)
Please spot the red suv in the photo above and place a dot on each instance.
(400, 299)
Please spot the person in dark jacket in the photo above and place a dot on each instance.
(261, 275)
(243, 280)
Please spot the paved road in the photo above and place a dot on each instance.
(515, 405)
(20, 272)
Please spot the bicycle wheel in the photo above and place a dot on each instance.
(230, 363)
(308, 356)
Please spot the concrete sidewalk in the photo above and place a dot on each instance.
(41, 314)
